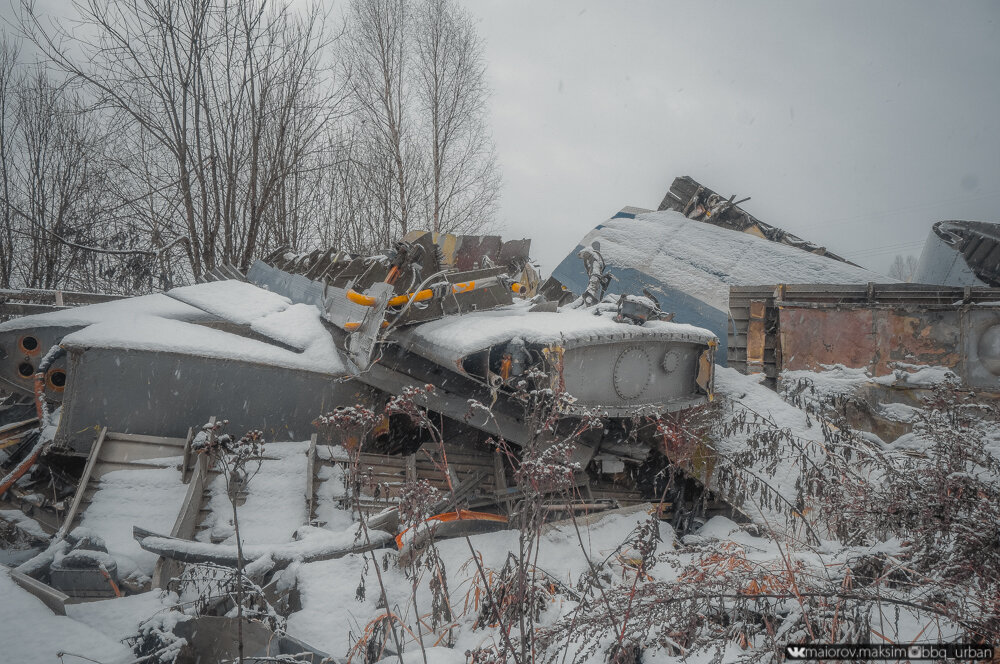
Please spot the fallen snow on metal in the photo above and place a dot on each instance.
(236, 301)
(30, 632)
(154, 333)
(274, 505)
(148, 496)
(456, 336)
(122, 311)
(705, 260)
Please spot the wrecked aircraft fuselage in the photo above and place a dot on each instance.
(301, 335)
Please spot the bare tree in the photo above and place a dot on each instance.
(376, 61)
(213, 131)
(463, 177)
(222, 101)
(903, 268)
(57, 185)
(8, 74)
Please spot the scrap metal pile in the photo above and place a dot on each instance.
(103, 490)
(125, 385)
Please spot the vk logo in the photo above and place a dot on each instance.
(795, 652)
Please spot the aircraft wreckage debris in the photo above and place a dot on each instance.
(100, 424)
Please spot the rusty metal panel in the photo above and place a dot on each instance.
(514, 251)
(872, 338)
(756, 337)
(472, 248)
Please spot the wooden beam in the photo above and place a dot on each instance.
(185, 523)
(81, 488)
(311, 479)
(186, 458)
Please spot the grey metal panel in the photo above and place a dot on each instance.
(981, 334)
(451, 357)
(146, 392)
(295, 287)
(51, 597)
(962, 253)
(631, 375)
(11, 356)
(332, 300)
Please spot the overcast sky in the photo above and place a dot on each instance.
(854, 125)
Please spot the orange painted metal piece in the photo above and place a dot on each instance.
(458, 515)
(421, 296)
(21, 469)
(29, 345)
(39, 389)
(505, 367)
(756, 335)
(351, 326)
(398, 301)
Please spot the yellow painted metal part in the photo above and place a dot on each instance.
(420, 296)
(706, 370)
(398, 301)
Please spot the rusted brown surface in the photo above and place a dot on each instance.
(868, 337)
(756, 337)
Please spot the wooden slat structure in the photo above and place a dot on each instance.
(383, 477)
(118, 451)
(754, 346)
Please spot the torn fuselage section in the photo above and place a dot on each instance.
(602, 365)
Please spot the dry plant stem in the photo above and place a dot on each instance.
(378, 572)
(504, 630)
(416, 612)
(593, 571)
(816, 541)
(239, 581)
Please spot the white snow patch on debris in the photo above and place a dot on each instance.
(232, 300)
(124, 498)
(900, 412)
(151, 333)
(747, 393)
(434, 654)
(123, 311)
(310, 543)
(331, 492)
(30, 632)
(704, 260)
(275, 500)
(456, 336)
(328, 588)
(24, 522)
(298, 326)
(918, 375)
(120, 617)
(835, 380)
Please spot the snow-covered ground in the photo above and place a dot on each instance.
(340, 600)
(147, 497)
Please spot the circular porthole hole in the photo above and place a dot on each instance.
(29, 345)
(56, 380)
(25, 370)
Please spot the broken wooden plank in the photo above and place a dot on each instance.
(82, 486)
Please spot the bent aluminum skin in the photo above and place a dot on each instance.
(163, 394)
